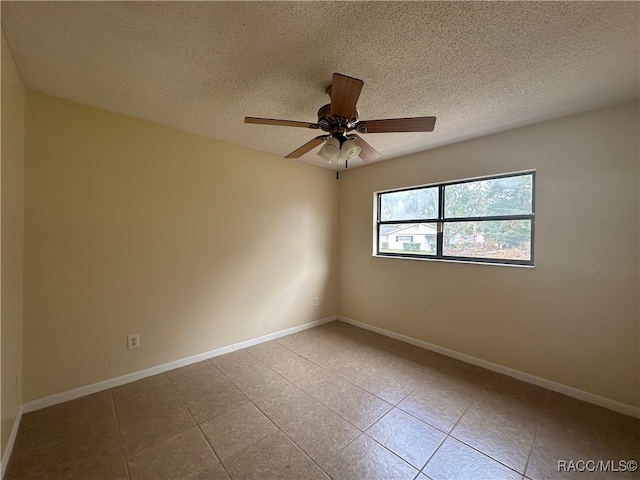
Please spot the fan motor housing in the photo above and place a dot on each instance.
(329, 123)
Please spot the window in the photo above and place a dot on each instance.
(487, 220)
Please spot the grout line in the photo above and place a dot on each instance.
(393, 453)
(449, 435)
(352, 384)
(485, 454)
(267, 416)
(476, 399)
(607, 403)
(423, 421)
(433, 454)
(535, 434)
(298, 353)
(256, 358)
(197, 424)
(126, 458)
(289, 438)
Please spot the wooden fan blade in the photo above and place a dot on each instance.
(310, 145)
(367, 152)
(281, 123)
(415, 124)
(345, 92)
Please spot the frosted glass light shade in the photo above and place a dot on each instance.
(330, 149)
(348, 151)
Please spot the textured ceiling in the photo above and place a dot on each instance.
(479, 67)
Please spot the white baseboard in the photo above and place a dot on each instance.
(525, 377)
(12, 440)
(132, 377)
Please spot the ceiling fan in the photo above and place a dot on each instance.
(340, 117)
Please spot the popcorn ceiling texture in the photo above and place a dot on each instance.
(479, 67)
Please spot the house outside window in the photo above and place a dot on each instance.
(404, 238)
(484, 220)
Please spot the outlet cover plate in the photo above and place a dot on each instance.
(133, 341)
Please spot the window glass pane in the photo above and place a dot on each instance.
(409, 205)
(408, 238)
(503, 239)
(498, 196)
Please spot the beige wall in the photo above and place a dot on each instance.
(572, 319)
(131, 227)
(195, 244)
(12, 175)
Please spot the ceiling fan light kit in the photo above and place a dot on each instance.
(340, 117)
(330, 149)
(348, 151)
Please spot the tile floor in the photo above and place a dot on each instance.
(333, 402)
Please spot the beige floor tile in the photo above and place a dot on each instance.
(274, 457)
(571, 430)
(249, 374)
(284, 361)
(318, 431)
(316, 345)
(457, 461)
(508, 391)
(271, 352)
(423, 374)
(26, 462)
(364, 458)
(154, 426)
(95, 467)
(149, 411)
(195, 375)
(591, 420)
(353, 370)
(439, 405)
(288, 404)
(390, 386)
(233, 361)
(208, 400)
(295, 368)
(350, 374)
(357, 406)
(463, 375)
(411, 439)
(217, 472)
(237, 429)
(504, 434)
(150, 393)
(92, 455)
(182, 456)
(69, 420)
(71, 440)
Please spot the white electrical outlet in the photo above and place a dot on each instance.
(133, 341)
(316, 301)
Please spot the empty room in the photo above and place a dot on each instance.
(320, 240)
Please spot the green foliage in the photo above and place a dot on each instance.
(411, 247)
(384, 245)
(499, 196)
(480, 199)
(409, 204)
